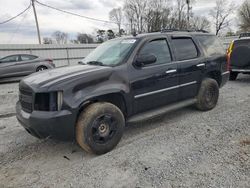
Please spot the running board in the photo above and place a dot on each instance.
(160, 111)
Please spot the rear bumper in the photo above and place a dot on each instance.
(52, 65)
(59, 124)
(224, 78)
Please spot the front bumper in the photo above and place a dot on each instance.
(58, 124)
(224, 78)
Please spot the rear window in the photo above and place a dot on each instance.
(185, 48)
(211, 44)
(239, 43)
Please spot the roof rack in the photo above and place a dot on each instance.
(244, 35)
(185, 30)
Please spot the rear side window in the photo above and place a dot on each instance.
(211, 44)
(159, 48)
(185, 48)
(27, 57)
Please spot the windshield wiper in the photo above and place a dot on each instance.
(95, 63)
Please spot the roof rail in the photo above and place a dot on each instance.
(185, 30)
(244, 35)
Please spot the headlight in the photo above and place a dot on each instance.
(49, 101)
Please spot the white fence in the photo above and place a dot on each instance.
(62, 55)
(227, 40)
(68, 54)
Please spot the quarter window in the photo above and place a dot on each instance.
(159, 48)
(211, 44)
(185, 48)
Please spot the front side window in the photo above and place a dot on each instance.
(159, 48)
(13, 58)
(185, 48)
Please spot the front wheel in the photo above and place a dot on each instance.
(208, 95)
(100, 127)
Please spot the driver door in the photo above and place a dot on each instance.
(8, 66)
(156, 84)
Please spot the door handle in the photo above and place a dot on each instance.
(171, 71)
(201, 65)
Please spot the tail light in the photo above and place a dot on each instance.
(49, 60)
(229, 53)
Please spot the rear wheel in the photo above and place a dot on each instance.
(233, 76)
(41, 68)
(208, 95)
(100, 127)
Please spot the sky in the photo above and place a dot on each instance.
(23, 29)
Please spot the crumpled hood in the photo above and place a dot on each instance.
(54, 76)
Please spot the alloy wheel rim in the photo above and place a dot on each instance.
(104, 128)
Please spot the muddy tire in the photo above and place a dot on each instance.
(233, 76)
(100, 127)
(208, 95)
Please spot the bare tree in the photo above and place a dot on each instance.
(110, 34)
(115, 15)
(60, 37)
(200, 23)
(100, 35)
(181, 12)
(47, 40)
(221, 14)
(84, 38)
(158, 15)
(244, 15)
(136, 11)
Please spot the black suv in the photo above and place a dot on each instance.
(123, 80)
(239, 56)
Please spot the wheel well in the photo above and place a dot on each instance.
(216, 75)
(41, 66)
(114, 98)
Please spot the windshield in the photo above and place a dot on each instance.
(110, 53)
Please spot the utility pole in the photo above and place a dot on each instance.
(37, 26)
(188, 12)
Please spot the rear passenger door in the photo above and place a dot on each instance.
(27, 64)
(191, 65)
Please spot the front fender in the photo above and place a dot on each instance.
(100, 91)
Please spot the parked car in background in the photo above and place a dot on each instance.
(239, 56)
(19, 65)
(127, 79)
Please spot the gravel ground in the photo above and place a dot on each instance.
(185, 148)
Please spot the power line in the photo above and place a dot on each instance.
(12, 18)
(75, 14)
(18, 27)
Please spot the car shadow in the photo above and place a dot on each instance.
(242, 78)
(70, 151)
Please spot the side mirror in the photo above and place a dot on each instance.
(81, 63)
(145, 60)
